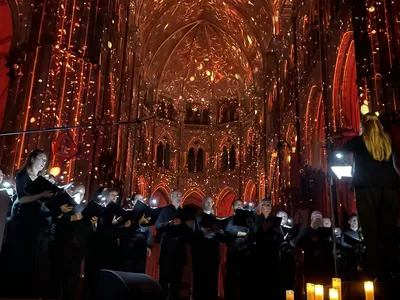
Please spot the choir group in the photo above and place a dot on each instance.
(52, 230)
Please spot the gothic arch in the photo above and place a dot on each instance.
(193, 196)
(250, 192)
(164, 151)
(273, 179)
(161, 193)
(346, 112)
(251, 147)
(291, 138)
(311, 119)
(227, 154)
(142, 186)
(224, 202)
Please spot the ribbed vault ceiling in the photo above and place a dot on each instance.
(204, 49)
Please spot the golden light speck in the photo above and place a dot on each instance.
(109, 45)
(55, 171)
(364, 109)
(191, 78)
(32, 120)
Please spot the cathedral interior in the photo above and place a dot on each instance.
(231, 99)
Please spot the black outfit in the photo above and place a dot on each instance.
(354, 254)
(237, 262)
(376, 187)
(287, 260)
(71, 239)
(134, 244)
(318, 256)
(25, 254)
(4, 214)
(135, 240)
(205, 250)
(264, 253)
(103, 252)
(173, 255)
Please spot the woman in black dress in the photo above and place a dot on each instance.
(27, 234)
(376, 184)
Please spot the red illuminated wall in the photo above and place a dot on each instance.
(5, 45)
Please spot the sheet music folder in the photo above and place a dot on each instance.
(241, 216)
(40, 185)
(59, 199)
(208, 221)
(349, 240)
(188, 213)
(275, 221)
(93, 209)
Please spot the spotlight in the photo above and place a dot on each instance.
(6, 184)
(339, 155)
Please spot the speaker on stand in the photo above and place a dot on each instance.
(115, 285)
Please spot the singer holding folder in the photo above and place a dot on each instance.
(28, 232)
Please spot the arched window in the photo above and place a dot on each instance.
(161, 110)
(232, 158)
(224, 160)
(232, 115)
(160, 155)
(170, 112)
(197, 116)
(206, 117)
(167, 157)
(225, 115)
(200, 160)
(191, 160)
(189, 115)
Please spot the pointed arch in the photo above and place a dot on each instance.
(160, 154)
(191, 160)
(224, 159)
(224, 202)
(250, 191)
(193, 196)
(232, 158)
(199, 160)
(142, 186)
(162, 194)
(345, 109)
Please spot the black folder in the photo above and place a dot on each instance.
(60, 198)
(40, 185)
(276, 222)
(241, 216)
(188, 213)
(113, 210)
(349, 240)
(324, 232)
(153, 213)
(93, 209)
(208, 221)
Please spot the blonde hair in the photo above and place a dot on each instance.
(377, 141)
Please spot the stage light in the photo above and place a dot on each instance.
(339, 155)
(55, 171)
(340, 164)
